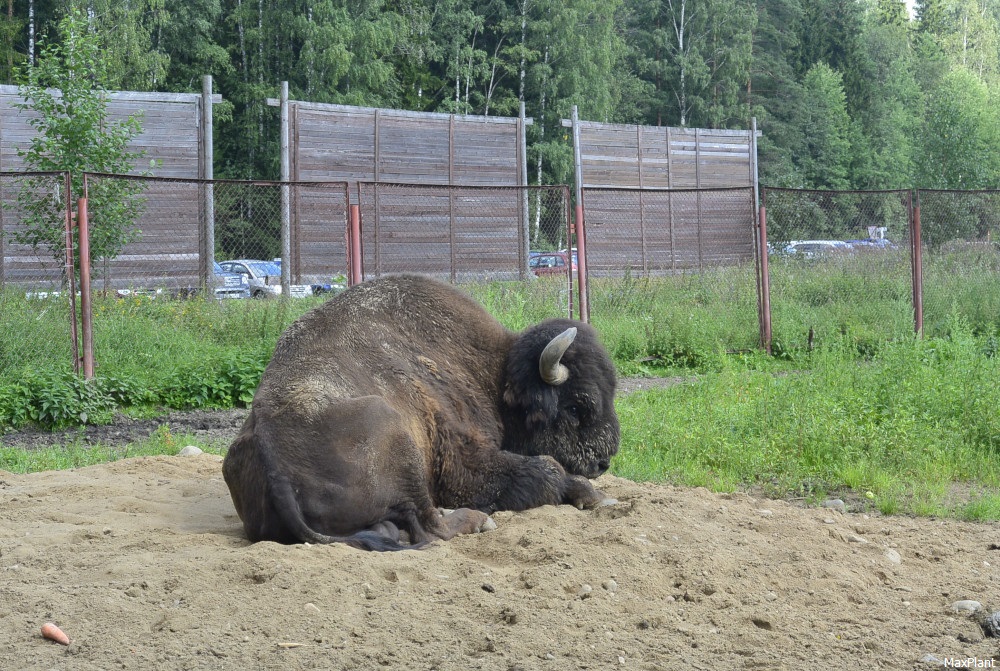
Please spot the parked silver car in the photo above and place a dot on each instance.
(264, 278)
(230, 285)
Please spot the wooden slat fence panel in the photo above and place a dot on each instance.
(170, 139)
(632, 231)
(459, 233)
(360, 144)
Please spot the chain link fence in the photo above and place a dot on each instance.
(671, 274)
(839, 264)
(960, 259)
(37, 301)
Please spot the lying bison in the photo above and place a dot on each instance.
(401, 396)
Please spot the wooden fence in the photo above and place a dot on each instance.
(661, 199)
(175, 142)
(339, 143)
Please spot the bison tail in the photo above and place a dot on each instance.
(291, 512)
(373, 541)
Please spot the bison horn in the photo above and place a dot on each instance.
(552, 371)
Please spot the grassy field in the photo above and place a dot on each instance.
(863, 409)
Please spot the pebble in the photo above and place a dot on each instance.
(610, 585)
(967, 606)
(764, 512)
(585, 591)
(312, 609)
(190, 451)
(893, 556)
(835, 504)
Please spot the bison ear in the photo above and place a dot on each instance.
(552, 371)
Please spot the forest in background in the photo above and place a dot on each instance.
(848, 94)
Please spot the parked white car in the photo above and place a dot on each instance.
(264, 278)
(813, 248)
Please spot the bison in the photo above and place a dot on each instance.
(402, 397)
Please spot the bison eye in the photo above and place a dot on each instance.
(574, 411)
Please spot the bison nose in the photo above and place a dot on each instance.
(603, 465)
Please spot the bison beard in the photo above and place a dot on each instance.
(402, 396)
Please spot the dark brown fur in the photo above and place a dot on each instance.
(403, 395)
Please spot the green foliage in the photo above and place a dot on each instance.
(150, 355)
(78, 453)
(887, 432)
(826, 159)
(54, 399)
(963, 135)
(226, 383)
(11, 27)
(704, 63)
(64, 93)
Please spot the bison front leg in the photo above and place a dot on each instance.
(515, 482)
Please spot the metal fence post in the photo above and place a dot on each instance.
(71, 272)
(86, 312)
(578, 211)
(524, 253)
(581, 248)
(206, 265)
(764, 283)
(916, 259)
(354, 246)
(286, 214)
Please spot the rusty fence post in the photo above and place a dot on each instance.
(764, 284)
(86, 312)
(71, 272)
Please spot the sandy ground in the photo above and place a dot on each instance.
(143, 563)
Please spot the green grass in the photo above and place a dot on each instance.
(913, 430)
(868, 412)
(77, 454)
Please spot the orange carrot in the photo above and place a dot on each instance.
(54, 633)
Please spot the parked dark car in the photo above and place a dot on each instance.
(549, 263)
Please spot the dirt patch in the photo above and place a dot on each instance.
(144, 564)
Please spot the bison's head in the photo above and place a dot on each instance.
(558, 397)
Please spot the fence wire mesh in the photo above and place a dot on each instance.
(960, 259)
(36, 301)
(156, 242)
(474, 236)
(671, 274)
(145, 235)
(839, 265)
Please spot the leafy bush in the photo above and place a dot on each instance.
(228, 382)
(55, 400)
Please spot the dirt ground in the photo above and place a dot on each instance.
(143, 564)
